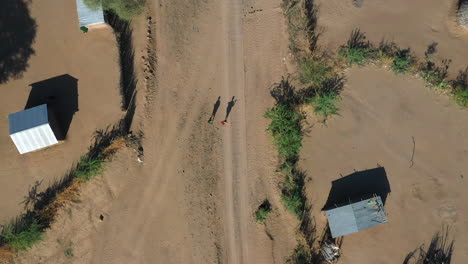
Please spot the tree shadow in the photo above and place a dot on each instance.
(123, 31)
(358, 186)
(60, 93)
(17, 34)
(440, 251)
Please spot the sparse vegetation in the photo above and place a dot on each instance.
(359, 51)
(24, 237)
(301, 255)
(325, 104)
(292, 188)
(89, 167)
(286, 130)
(68, 253)
(403, 61)
(460, 88)
(314, 70)
(262, 212)
(436, 76)
(125, 9)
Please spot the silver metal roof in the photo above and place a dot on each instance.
(88, 16)
(28, 118)
(355, 217)
(30, 129)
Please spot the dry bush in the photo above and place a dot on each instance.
(70, 194)
(6, 254)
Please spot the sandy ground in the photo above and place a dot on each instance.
(415, 24)
(380, 113)
(194, 197)
(60, 48)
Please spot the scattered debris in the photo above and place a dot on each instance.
(253, 11)
(330, 251)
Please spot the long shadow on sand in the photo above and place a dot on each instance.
(358, 186)
(17, 33)
(440, 251)
(128, 81)
(60, 93)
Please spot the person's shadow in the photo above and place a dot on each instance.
(229, 107)
(215, 110)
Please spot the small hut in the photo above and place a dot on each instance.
(355, 217)
(33, 129)
(88, 17)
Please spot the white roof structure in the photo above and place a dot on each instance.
(30, 129)
(88, 16)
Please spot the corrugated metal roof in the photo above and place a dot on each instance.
(33, 139)
(28, 118)
(30, 129)
(88, 16)
(355, 217)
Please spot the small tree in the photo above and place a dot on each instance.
(125, 9)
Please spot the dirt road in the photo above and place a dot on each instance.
(234, 137)
(194, 197)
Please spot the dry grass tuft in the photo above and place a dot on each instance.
(70, 194)
(6, 254)
(117, 144)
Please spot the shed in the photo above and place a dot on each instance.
(32, 129)
(355, 217)
(89, 17)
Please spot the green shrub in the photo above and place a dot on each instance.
(313, 70)
(460, 88)
(356, 56)
(435, 76)
(301, 255)
(434, 81)
(325, 104)
(387, 50)
(88, 168)
(22, 240)
(292, 192)
(125, 9)
(68, 253)
(262, 212)
(286, 130)
(294, 203)
(461, 96)
(403, 61)
(357, 50)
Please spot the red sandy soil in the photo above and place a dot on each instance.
(379, 115)
(415, 24)
(60, 48)
(194, 197)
